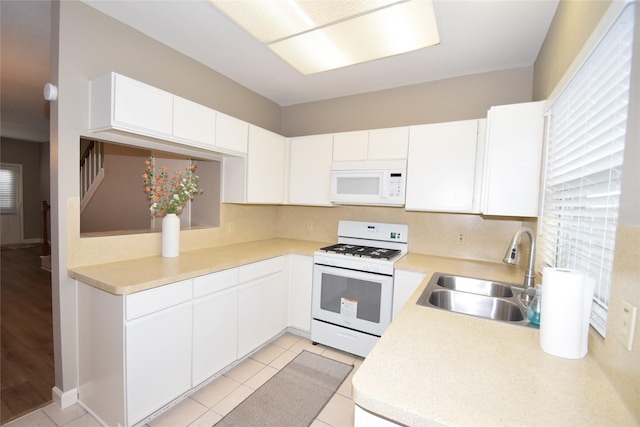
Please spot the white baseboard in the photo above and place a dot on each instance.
(33, 240)
(64, 399)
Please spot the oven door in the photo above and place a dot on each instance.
(352, 299)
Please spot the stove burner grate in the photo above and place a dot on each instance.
(361, 251)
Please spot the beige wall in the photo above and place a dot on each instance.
(116, 205)
(459, 98)
(572, 25)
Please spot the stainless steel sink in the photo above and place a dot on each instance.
(476, 305)
(475, 286)
(475, 297)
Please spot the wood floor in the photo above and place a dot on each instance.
(26, 334)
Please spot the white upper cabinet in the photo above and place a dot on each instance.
(266, 170)
(124, 104)
(442, 167)
(118, 102)
(378, 144)
(513, 160)
(388, 144)
(310, 170)
(260, 176)
(349, 146)
(194, 122)
(231, 133)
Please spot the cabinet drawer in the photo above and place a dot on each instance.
(261, 269)
(146, 302)
(214, 282)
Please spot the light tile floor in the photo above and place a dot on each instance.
(209, 404)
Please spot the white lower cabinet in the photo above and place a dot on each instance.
(363, 418)
(134, 351)
(139, 352)
(158, 360)
(405, 284)
(262, 303)
(300, 289)
(215, 323)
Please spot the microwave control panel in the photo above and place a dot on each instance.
(395, 184)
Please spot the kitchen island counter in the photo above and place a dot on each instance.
(433, 367)
(126, 277)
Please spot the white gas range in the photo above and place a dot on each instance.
(353, 285)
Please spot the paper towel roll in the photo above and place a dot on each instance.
(565, 310)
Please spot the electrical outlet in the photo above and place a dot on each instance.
(309, 225)
(231, 227)
(462, 239)
(625, 335)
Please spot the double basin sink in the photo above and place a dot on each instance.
(475, 297)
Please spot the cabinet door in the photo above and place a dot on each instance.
(404, 285)
(158, 360)
(349, 146)
(388, 144)
(262, 311)
(231, 133)
(215, 333)
(310, 170)
(193, 122)
(142, 107)
(300, 288)
(441, 167)
(513, 159)
(266, 166)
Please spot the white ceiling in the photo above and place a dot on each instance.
(476, 36)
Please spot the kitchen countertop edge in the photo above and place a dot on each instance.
(135, 275)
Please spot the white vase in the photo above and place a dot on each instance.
(170, 236)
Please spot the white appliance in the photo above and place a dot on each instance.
(370, 182)
(353, 285)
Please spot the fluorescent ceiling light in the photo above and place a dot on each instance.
(321, 35)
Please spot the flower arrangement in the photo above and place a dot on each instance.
(168, 193)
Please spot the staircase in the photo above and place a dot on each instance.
(91, 172)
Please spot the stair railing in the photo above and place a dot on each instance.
(91, 171)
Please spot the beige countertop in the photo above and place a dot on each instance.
(433, 367)
(125, 277)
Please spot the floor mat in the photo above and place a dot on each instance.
(294, 396)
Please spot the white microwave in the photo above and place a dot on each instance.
(371, 182)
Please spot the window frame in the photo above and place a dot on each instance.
(611, 39)
(16, 170)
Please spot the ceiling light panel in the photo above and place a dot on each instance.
(320, 35)
(272, 20)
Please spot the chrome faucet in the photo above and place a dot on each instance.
(511, 257)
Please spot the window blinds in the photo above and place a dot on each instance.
(8, 189)
(587, 127)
